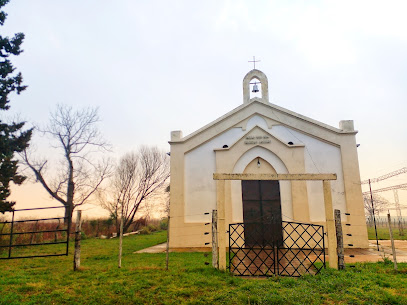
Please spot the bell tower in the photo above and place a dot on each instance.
(255, 81)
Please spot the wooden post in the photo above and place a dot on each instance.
(215, 239)
(398, 211)
(221, 224)
(339, 240)
(373, 214)
(393, 249)
(167, 250)
(77, 253)
(121, 240)
(330, 225)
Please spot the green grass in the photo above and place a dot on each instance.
(144, 280)
(383, 233)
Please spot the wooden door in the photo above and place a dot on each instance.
(262, 213)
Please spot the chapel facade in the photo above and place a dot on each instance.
(262, 138)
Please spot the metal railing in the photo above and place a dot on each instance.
(42, 233)
(296, 249)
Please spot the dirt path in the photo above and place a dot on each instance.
(372, 255)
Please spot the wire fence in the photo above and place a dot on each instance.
(381, 221)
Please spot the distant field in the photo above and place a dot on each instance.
(383, 233)
(144, 280)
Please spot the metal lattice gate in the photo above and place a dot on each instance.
(300, 251)
(41, 237)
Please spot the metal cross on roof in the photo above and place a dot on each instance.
(254, 61)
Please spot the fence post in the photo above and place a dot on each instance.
(77, 253)
(167, 250)
(121, 240)
(393, 249)
(221, 224)
(339, 240)
(214, 239)
(11, 236)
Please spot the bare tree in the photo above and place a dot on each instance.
(380, 204)
(78, 176)
(138, 177)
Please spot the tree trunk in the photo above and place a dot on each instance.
(68, 214)
(70, 192)
(126, 225)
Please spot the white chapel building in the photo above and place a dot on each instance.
(262, 138)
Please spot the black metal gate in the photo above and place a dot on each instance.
(50, 236)
(301, 252)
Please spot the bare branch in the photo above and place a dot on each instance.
(380, 204)
(75, 134)
(138, 177)
(37, 172)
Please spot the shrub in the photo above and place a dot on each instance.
(145, 230)
(139, 223)
(164, 224)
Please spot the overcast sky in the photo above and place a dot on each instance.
(156, 66)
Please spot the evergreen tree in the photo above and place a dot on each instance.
(12, 138)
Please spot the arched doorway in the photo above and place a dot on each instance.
(261, 207)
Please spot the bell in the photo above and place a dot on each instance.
(255, 88)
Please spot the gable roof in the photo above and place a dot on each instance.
(256, 103)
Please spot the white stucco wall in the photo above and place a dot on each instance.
(320, 157)
(200, 164)
(256, 121)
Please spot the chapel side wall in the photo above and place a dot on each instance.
(353, 193)
(176, 195)
(182, 234)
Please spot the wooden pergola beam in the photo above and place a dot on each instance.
(222, 176)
